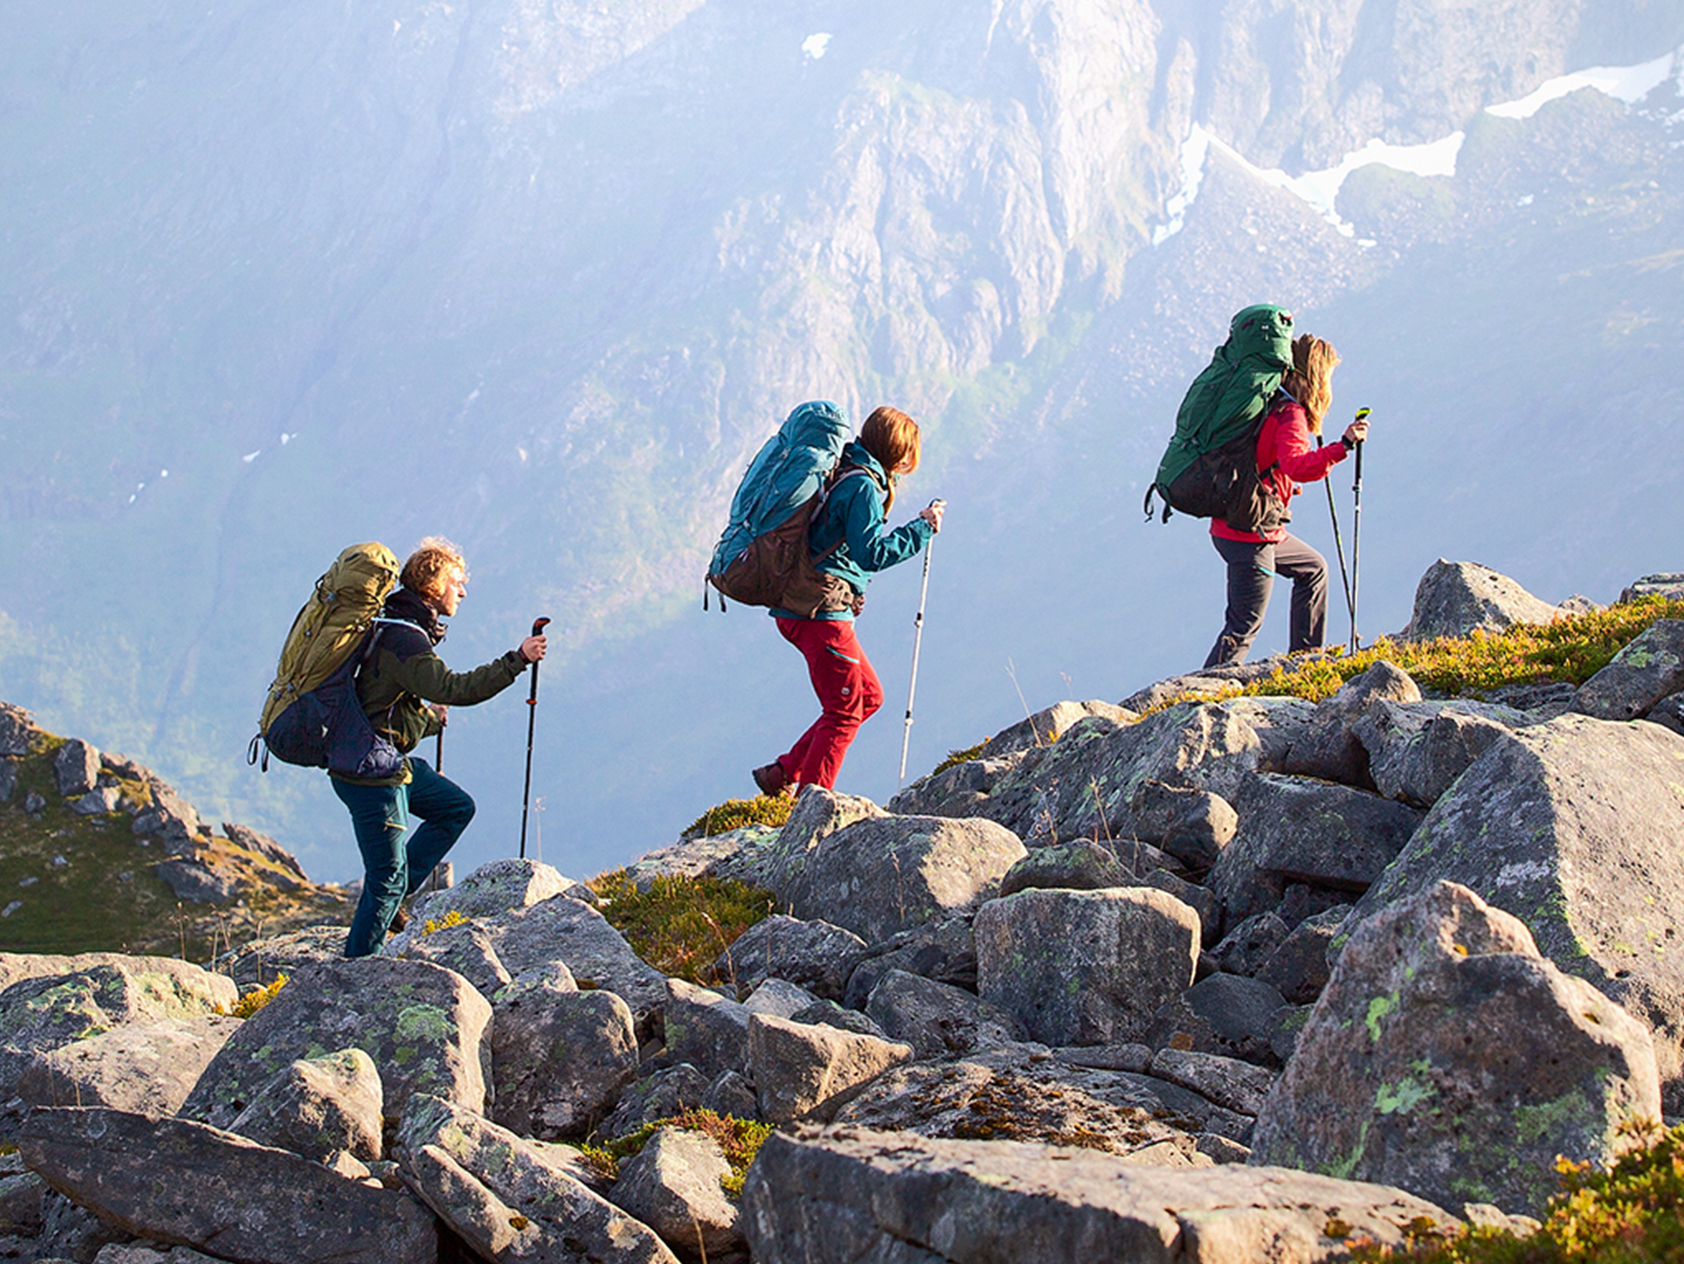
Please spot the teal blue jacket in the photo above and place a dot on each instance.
(852, 520)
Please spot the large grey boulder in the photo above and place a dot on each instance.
(847, 1195)
(659, 1095)
(1085, 967)
(172, 1180)
(76, 768)
(467, 949)
(495, 887)
(1224, 1014)
(1416, 752)
(1330, 747)
(1456, 598)
(1648, 669)
(800, 1069)
(1669, 585)
(1297, 829)
(318, 1107)
(1448, 1057)
(944, 951)
(52, 1001)
(882, 875)
(937, 1019)
(1187, 823)
(423, 1026)
(18, 730)
(559, 1056)
(1669, 713)
(1081, 865)
(818, 813)
(673, 1186)
(1572, 826)
(1298, 969)
(575, 934)
(148, 1068)
(1025, 1093)
(957, 791)
(260, 962)
(511, 1199)
(815, 955)
(1242, 1087)
(705, 1029)
(1089, 783)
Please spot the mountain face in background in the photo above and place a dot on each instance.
(542, 276)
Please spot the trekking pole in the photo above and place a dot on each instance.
(1338, 545)
(917, 643)
(438, 751)
(1356, 536)
(531, 722)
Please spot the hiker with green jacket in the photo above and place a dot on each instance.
(405, 690)
(1285, 458)
(849, 541)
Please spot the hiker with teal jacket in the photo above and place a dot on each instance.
(849, 541)
(1285, 458)
(404, 690)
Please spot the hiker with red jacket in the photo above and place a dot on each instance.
(1285, 458)
(849, 540)
(404, 690)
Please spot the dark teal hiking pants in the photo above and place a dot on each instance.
(1251, 575)
(392, 867)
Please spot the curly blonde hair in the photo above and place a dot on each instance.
(1310, 379)
(892, 437)
(428, 566)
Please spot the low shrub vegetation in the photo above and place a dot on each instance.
(680, 925)
(957, 757)
(1630, 1212)
(740, 1139)
(1570, 650)
(250, 1002)
(763, 809)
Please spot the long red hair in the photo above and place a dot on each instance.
(892, 437)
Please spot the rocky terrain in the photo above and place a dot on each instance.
(1198, 976)
(99, 853)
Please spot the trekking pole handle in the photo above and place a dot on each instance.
(538, 626)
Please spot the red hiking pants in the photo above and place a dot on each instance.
(848, 690)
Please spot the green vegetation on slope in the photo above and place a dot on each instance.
(680, 925)
(71, 883)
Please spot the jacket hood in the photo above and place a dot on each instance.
(855, 454)
(412, 608)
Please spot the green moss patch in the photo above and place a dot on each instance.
(680, 925)
(740, 1139)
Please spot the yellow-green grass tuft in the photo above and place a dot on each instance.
(680, 925)
(957, 757)
(763, 809)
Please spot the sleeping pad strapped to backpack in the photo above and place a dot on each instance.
(311, 715)
(1209, 469)
(763, 559)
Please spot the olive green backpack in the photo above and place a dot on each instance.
(311, 716)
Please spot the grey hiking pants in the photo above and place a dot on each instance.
(1251, 574)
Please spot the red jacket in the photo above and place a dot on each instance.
(1285, 438)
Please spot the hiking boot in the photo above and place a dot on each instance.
(400, 919)
(771, 780)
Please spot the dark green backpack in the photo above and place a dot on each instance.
(1209, 469)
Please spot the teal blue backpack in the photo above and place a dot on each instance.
(1210, 469)
(763, 558)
